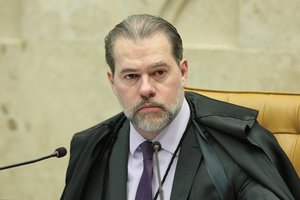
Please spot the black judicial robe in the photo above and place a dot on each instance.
(98, 162)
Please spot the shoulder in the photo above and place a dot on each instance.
(83, 143)
(205, 106)
(89, 138)
(98, 130)
(227, 117)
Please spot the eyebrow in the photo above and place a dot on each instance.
(159, 64)
(126, 70)
(152, 66)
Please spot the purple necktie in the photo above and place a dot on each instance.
(144, 191)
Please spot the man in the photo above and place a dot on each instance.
(209, 149)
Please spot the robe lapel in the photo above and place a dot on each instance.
(189, 160)
(118, 165)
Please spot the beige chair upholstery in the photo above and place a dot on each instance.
(278, 112)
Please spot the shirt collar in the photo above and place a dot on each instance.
(169, 137)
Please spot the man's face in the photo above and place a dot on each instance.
(148, 82)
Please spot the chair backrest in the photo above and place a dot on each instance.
(278, 112)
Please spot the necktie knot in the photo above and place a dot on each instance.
(147, 150)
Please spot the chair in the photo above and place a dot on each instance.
(278, 112)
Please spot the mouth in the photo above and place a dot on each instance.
(150, 108)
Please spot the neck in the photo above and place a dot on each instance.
(149, 135)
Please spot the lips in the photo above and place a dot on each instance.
(150, 108)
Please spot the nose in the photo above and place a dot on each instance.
(147, 89)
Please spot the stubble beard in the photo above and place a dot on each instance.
(154, 121)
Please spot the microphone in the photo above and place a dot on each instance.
(59, 152)
(156, 148)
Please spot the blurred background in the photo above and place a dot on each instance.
(53, 73)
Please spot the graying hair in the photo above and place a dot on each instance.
(137, 27)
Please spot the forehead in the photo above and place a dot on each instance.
(157, 42)
(151, 48)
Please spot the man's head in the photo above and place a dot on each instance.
(145, 75)
(138, 27)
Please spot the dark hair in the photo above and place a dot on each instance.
(141, 27)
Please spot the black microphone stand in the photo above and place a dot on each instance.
(157, 146)
(59, 152)
(27, 162)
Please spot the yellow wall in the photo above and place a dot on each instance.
(52, 69)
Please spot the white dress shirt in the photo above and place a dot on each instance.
(169, 139)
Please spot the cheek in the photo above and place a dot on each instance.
(170, 92)
(173, 90)
(125, 97)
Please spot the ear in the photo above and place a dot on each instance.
(110, 77)
(184, 71)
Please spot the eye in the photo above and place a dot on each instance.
(131, 76)
(160, 73)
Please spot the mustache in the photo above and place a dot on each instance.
(147, 102)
